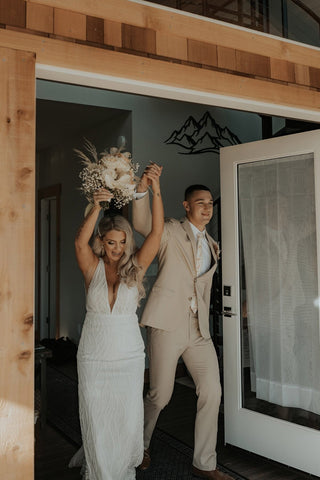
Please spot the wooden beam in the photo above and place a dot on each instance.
(187, 26)
(138, 39)
(171, 46)
(69, 24)
(112, 33)
(17, 219)
(95, 29)
(90, 59)
(13, 13)
(40, 17)
(282, 70)
(202, 52)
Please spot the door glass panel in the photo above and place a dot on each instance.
(279, 289)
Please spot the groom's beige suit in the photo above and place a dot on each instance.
(174, 330)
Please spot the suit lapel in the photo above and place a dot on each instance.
(186, 227)
(213, 252)
(188, 230)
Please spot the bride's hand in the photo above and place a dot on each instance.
(153, 173)
(102, 195)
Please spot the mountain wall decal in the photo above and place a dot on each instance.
(203, 136)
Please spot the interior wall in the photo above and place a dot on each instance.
(153, 121)
(60, 165)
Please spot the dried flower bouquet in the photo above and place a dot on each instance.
(113, 170)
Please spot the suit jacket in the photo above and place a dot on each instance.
(168, 304)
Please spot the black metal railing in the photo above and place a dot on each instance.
(293, 19)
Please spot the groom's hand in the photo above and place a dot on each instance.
(151, 170)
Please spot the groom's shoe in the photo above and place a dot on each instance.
(145, 464)
(211, 474)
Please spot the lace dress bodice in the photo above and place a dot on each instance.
(97, 296)
(110, 335)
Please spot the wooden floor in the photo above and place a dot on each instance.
(179, 422)
(53, 450)
(52, 454)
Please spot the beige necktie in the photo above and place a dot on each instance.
(199, 252)
(194, 305)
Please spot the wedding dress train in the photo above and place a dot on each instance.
(110, 362)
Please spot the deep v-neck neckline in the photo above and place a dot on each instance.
(118, 290)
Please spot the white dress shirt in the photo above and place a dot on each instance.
(205, 260)
(206, 252)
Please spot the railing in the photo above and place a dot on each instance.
(294, 19)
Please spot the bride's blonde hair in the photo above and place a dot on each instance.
(129, 270)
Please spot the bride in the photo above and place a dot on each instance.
(110, 357)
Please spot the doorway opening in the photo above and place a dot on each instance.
(155, 129)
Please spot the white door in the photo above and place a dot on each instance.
(270, 203)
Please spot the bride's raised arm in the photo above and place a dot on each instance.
(150, 247)
(86, 259)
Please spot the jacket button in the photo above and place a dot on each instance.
(190, 298)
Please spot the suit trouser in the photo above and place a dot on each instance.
(199, 356)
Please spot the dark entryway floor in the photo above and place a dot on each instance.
(53, 449)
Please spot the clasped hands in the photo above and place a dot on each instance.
(150, 177)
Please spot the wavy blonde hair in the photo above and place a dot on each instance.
(129, 271)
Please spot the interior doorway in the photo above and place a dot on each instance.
(159, 129)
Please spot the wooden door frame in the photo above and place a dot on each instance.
(53, 62)
(17, 225)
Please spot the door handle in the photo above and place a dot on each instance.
(228, 313)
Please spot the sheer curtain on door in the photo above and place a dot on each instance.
(278, 227)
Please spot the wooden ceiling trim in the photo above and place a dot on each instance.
(95, 30)
(112, 33)
(186, 26)
(314, 77)
(75, 26)
(13, 12)
(202, 52)
(40, 17)
(226, 58)
(108, 62)
(282, 70)
(302, 74)
(252, 64)
(69, 24)
(171, 46)
(138, 39)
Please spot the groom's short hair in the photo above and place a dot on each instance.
(192, 188)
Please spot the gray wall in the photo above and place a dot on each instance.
(147, 123)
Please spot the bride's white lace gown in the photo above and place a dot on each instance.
(111, 374)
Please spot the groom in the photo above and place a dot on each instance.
(177, 317)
